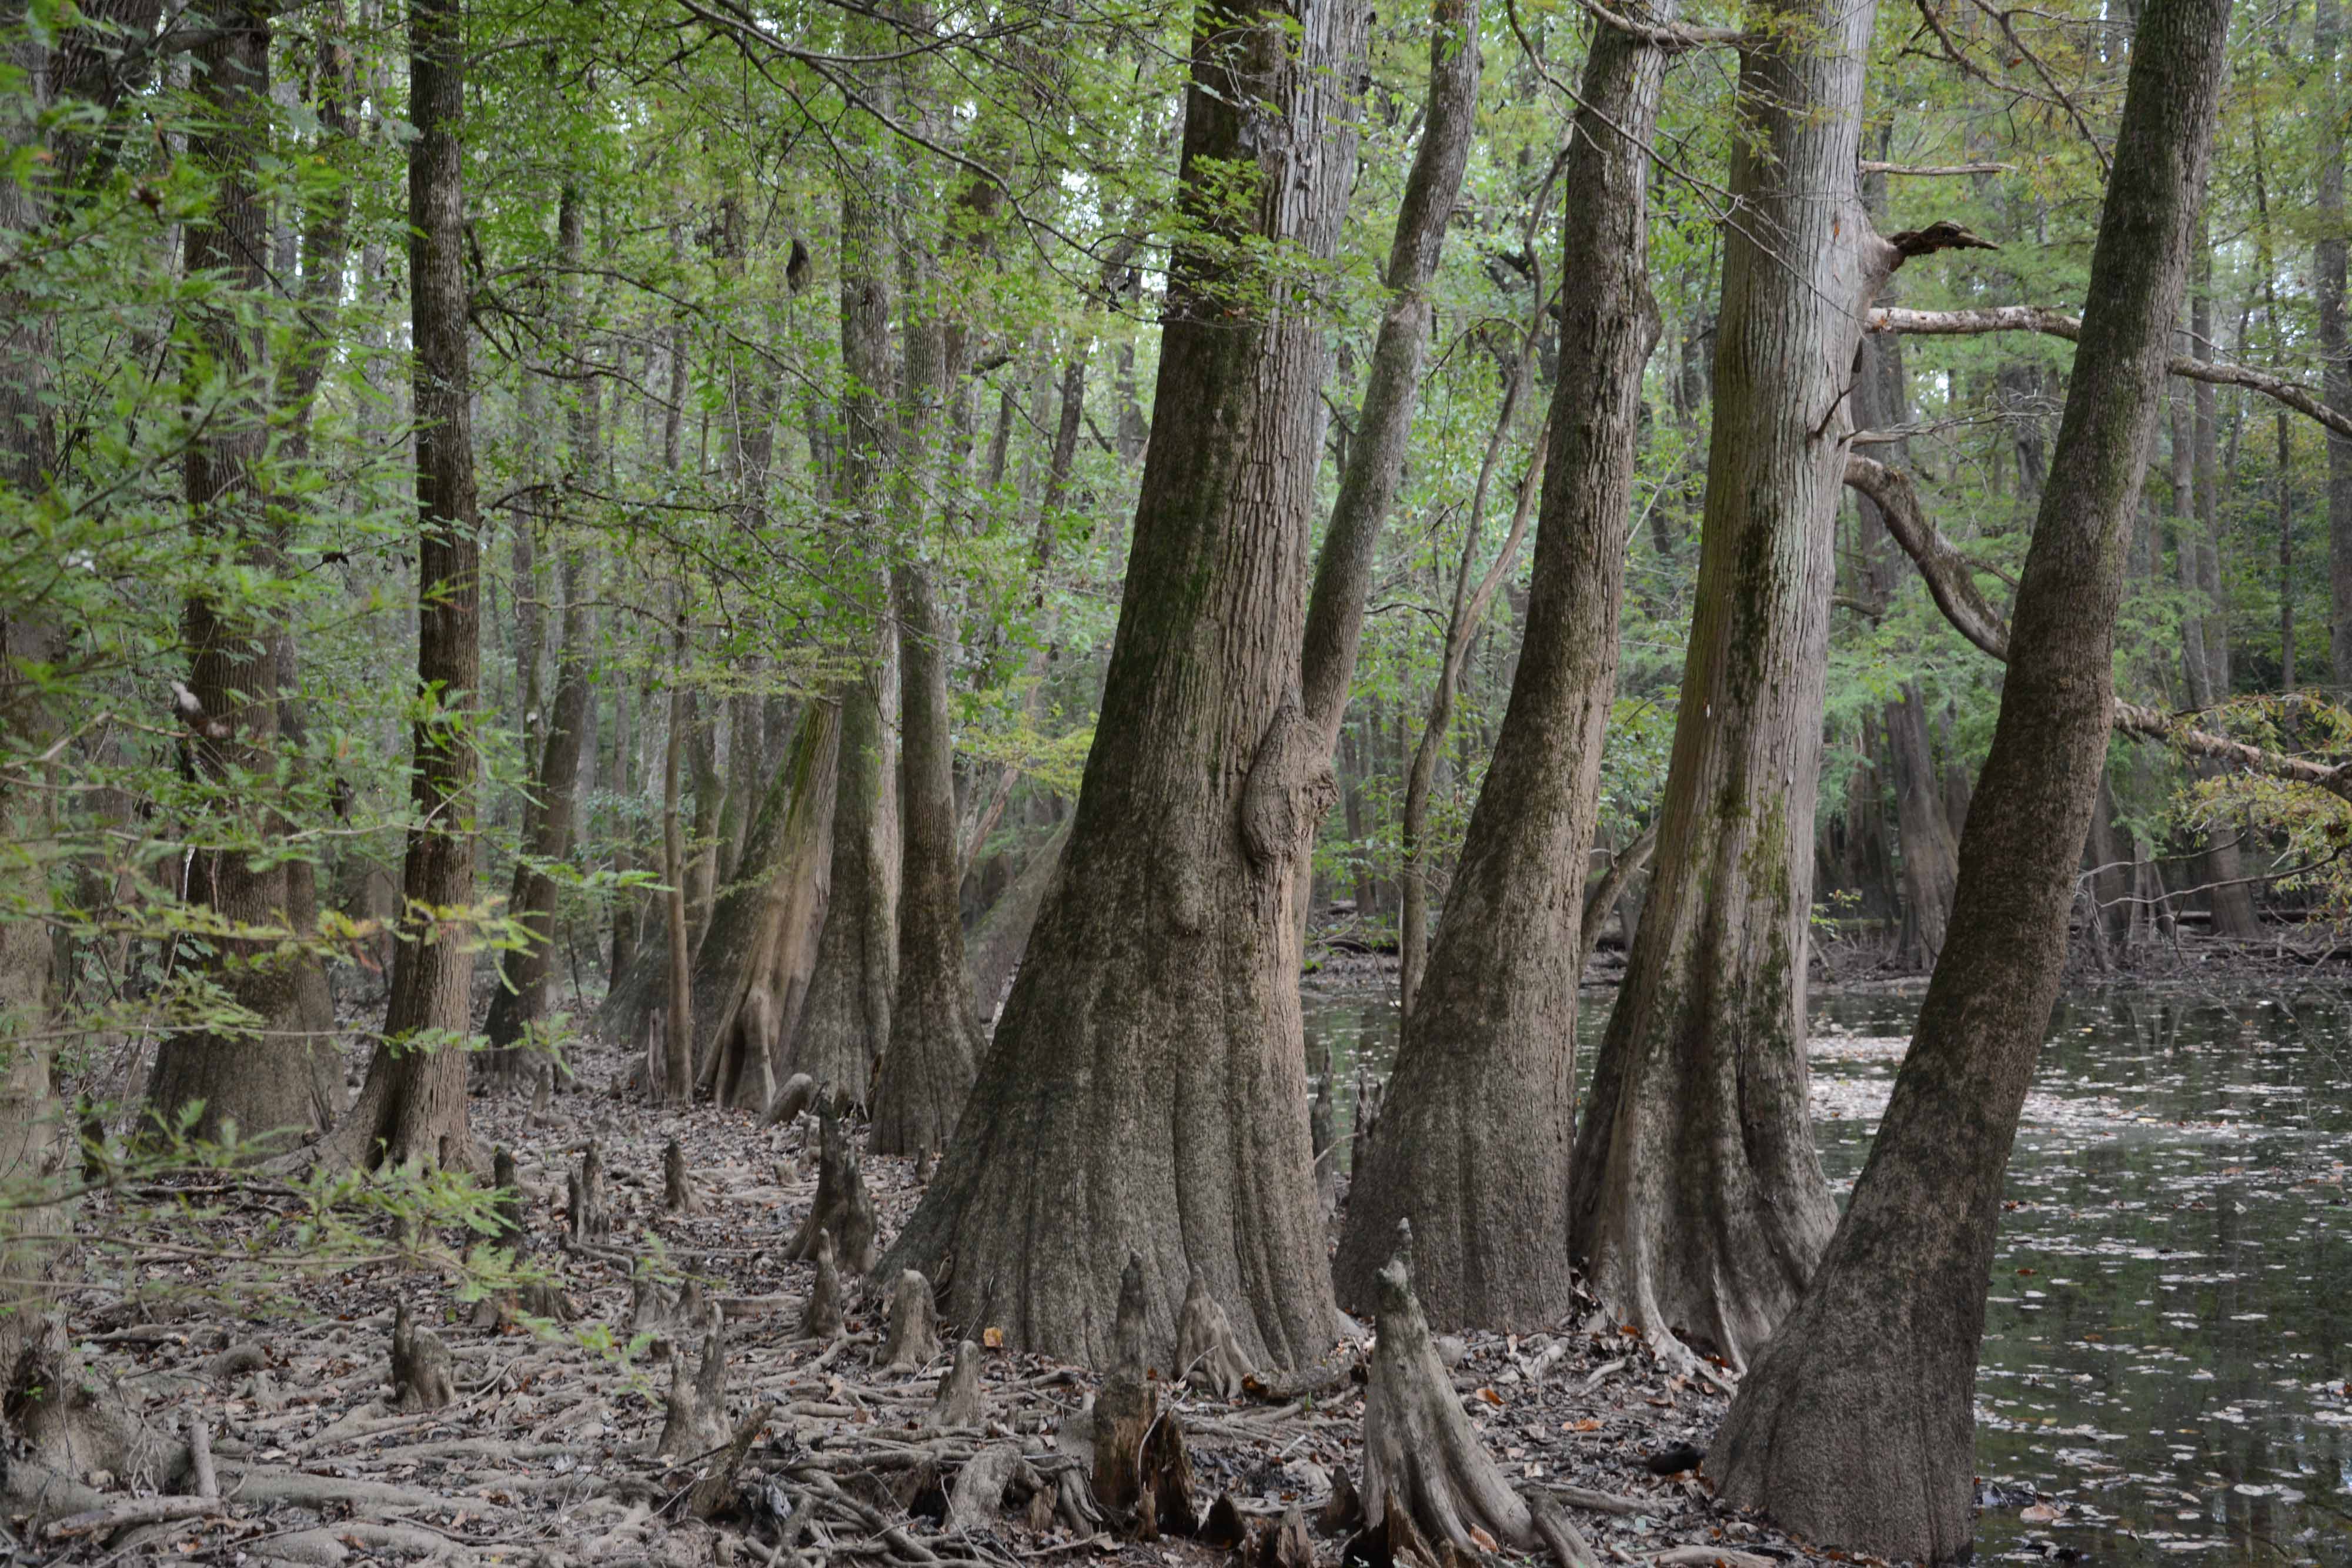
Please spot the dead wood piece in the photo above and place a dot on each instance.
(1206, 1346)
(1142, 1475)
(798, 1093)
(1284, 1543)
(423, 1375)
(821, 1319)
(590, 1211)
(994, 1475)
(200, 1456)
(677, 1187)
(1342, 1512)
(694, 1417)
(914, 1341)
(123, 1515)
(714, 1493)
(1422, 1460)
(958, 1401)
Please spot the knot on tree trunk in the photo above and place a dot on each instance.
(1290, 789)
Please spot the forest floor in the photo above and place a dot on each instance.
(547, 1455)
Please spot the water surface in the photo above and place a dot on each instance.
(2165, 1362)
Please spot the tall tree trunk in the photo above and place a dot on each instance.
(2328, 266)
(935, 1039)
(521, 1000)
(1146, 1091)
(413, 1106)
(845, 1026)
(676, 1085)
(1474, 1141)
(1699, 1205)
(254, 1080)
(1856, 1428)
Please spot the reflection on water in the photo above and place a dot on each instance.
(2165, 1356)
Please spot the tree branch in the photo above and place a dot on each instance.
(2057, 324)
(1950, 582)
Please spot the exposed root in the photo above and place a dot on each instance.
(843, 1205)
(914, 1342)
(996, 1476)
(591, 1214)
(958, 1403)
(1422, 1462)
(1143, 1478)
(694, 1419)
(422, 1372)
(677, 1187)
(1206, 1346)
(822, 1318)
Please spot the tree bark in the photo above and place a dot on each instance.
(845, 1026)
(1875, 1375)
(251, 1078)
(413, 1106)
(1473, 1138)
(520, 1001)
(1001, 937)
(676, 1085)
(2328, 266)
(935, 1039)
(1699, 1205)
(1147, 1086)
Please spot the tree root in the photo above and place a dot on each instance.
(996, 1474)
(1425, 1472)
(422, 1372)
(677, 1187)
(914, 1342)
(694, 1417)
(958, 1401)
(843, 1205)
(1206, 1346)
(821, 1319)
(1143, 1478)
(590, 1213)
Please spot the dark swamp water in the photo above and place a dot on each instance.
(2165, 1358)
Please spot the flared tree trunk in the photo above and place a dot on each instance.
(413, 1105)
(1699, 1205)
(1476, 1122)
(251, 1077)
(753, 969)
(1856, 1428)
(1146, 1090)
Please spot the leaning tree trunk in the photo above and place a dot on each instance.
(1147, 1086)
(1374, 464)
(1474, 1140)
(1874, 1377)
(413, 1106)
(1699, 1204)
(252, 1080)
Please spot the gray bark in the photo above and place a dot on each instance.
(1473, 1138)
(1875, 1375)
(1146, 1089)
